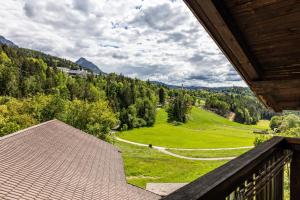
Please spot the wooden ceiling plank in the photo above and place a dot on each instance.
(247, 15)
(290, 105)
(254, 5)
(277, 84)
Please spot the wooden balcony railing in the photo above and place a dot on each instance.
(256, 175)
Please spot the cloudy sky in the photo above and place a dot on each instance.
(158, 40)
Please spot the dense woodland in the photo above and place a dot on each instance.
(34, 90)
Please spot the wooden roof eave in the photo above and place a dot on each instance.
(230, 41)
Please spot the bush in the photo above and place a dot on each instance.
(294, 132)
(124, 127)
(284, 123)
(275, 122)
(262, 138)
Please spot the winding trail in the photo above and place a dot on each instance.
(165, 150)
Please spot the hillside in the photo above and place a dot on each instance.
(204, 130)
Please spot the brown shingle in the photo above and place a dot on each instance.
(56, 161)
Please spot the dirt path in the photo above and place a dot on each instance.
(165, 150)
(184, 149)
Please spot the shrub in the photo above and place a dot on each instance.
(262, 138)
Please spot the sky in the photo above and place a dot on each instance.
(159, 40)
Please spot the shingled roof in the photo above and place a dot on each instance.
(56, 161)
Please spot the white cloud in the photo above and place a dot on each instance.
(150, 39)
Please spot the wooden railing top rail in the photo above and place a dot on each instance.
(224, 179)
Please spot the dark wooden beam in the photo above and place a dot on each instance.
(270, 102)
(276, 84)
(295, 176)
(289, 105)
(279, 94)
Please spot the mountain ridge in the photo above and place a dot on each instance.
(86, 64)
(3, 40)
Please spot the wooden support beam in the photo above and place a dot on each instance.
(270, 89)
(295, 177)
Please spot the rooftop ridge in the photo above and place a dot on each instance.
(26, 129)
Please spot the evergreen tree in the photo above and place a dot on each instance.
(162, 96)
(179, 108)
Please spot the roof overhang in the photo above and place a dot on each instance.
(262, 41)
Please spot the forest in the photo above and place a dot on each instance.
(34, 90)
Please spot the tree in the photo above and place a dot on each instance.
(179, 108)
(162, 96)
(146, 111)
(95, 118)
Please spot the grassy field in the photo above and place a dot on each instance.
(262, 124)
(209, 154)
(204, 130)
(145, 165)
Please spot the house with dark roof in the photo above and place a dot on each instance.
(56, 161)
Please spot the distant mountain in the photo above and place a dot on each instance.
(84, 63)
(3, 40)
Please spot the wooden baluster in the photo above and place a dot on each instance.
(278, 181)
(279, 186)
(295, 176)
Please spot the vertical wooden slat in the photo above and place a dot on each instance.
(279, 186)
(272, 182)
(278, 181)
(295, 176)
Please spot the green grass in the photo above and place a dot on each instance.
(145, 165)
(204, 130)
(210, 154)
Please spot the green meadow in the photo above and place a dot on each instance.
(203, 130)
(145, 165)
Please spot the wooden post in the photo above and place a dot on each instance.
(295, 176)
